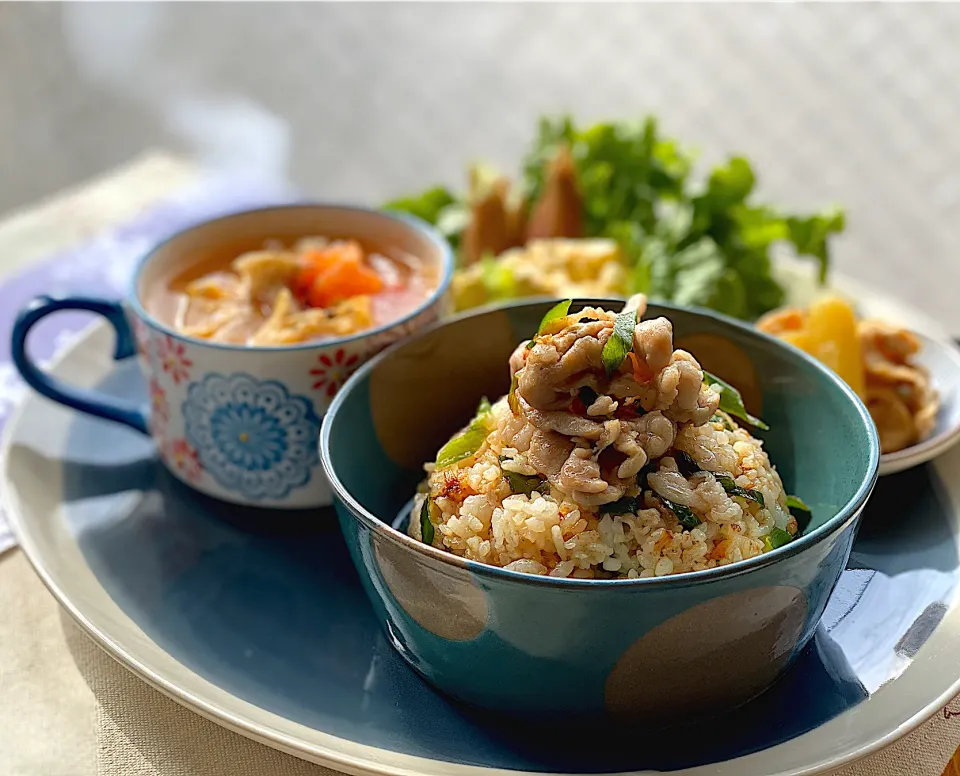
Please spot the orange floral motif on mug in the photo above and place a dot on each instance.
(173, 359)
(159, 406)
(182, 457)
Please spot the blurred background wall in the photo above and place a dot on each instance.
(857, 104)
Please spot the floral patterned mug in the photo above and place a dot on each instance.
(236, 422)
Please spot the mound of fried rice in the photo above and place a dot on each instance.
(637, 484)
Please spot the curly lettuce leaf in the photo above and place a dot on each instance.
(623, 170)
(809, 236)
(427, 205)
(439, 207)
(705, 242)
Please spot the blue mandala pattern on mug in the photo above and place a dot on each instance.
(252, 436)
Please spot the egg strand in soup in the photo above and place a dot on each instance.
(316, 289)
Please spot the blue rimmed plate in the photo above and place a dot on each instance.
(272, 636)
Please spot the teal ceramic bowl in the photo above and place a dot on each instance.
(688, 644)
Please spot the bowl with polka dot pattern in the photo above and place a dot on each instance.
(659, 648)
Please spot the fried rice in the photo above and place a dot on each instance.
(650, 479)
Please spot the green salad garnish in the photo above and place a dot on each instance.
(650, 468)
(428, 205)
(687, 237)
(731, 402)
(469, 441)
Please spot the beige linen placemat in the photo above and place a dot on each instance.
(48, 714)
(80, 713)
(144, 733)
(70, 710)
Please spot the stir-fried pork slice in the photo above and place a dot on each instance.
(548, 452)
(566, 423)
(557, 365)
(581, 473)
(653, 343)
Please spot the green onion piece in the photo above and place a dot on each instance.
(470, 441)
(523, 484)
(647, 470)
(685, 463)
(722, 418)
(587, 395)
(800, 511)
(733, 489)
(621, 341)
(634, 409)
(555, 313)
(731, 401)
(462, 446)
(776, 538)
(426, 527)
(628, 505)
(512, 401)
(684, 514)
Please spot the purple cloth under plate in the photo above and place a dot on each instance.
(103, 267)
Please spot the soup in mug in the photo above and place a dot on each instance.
(314, 289)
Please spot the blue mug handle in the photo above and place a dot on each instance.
(84, 400)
